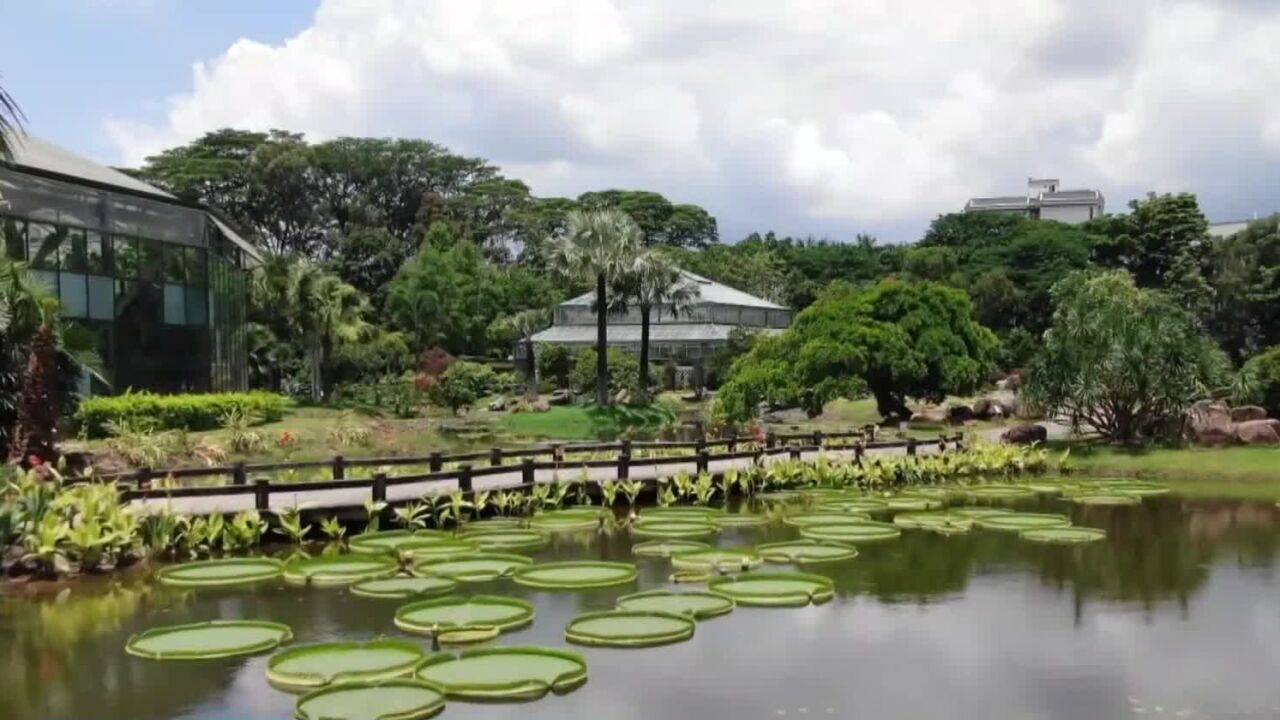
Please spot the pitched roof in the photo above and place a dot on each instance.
(710, 292)
(36, 154)
(658, 332)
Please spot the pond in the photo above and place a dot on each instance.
(1174, 614)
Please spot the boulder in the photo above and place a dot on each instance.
(1259, 432)
(1245, 413)
(561, 397)
(498, 404)
(929, 415)
(959, 414)
(1025, 434)
(540, 406)
(623, 397)
(1208, 422)
(990, 408)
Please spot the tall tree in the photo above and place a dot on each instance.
(598, 247)
(11, 118)
(660, 222)
(1244, 272)
(653, 282)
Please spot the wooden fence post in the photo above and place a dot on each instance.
(339, 467)
(795, 452)
(495, 456)
(238, 476)
(379, 487)
(262, 494)
(435, 462)
(771, 440)
(859, 449)
(704, 461)
(733, 442)
(557, 453)
(624, 465)
(911, 446)
(144, 478)
(527, 471)
(817, 438)
(464, 478)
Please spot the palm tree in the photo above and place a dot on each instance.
(598, 247)
(11, 118)
(654, 282)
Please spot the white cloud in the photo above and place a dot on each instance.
(825, 116)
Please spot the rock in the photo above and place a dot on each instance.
(990, 408)
(1025, 434)
(561, 397)
(1259, 432)
(929, 416)
(1208, 422)
(1245, 413)
(540, 406)
(498, 404)
(959, 414)
(623, 397)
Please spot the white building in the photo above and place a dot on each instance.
(1045, 201)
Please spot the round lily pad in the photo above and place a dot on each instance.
(1063, 535)
(855, 505)
(743, 519)
(1115, 500)
(666, 548)
(679, 512)
(213, 573)
(306, 667)
(802, 520)
(805, 552)
(508, 540)
(1046, 487)
(566, 521)
(494, 524)
(933, 492)
(404, 587)
(401, 699)
(978, 512)
(934, 520)
(718, 559)
(673, 529)
(912, 503)
(505, 673)
(845, 533)
(1135, 487)
(780, 496)
(575, 575)
(1000, 492)
(774, 589)
(479, 567)
(208, 640)
(629, 629)
(338, 570)
(437, 615)
(390, 540)
(697, 605)
(690, 576)
(1022, 521)
(822, 494)
(442, 549)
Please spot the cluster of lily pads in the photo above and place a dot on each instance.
(428, 569)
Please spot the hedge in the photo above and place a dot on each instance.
(175, 412)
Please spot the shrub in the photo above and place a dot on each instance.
(463, 384)
(144, 410)
(624, 371)
(1262, 378)
(554, 364)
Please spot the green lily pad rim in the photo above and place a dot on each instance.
(582, 637)
(265, 569)
(835, 533)
(523, 619)
(674, 529)
(999, 492)
(772, 552)
(976, 512)
(432, 567)
(364, 589)
(533, 539)
(690, 576)
(689, 560)
(423, 712)
(806, 519)
(334, 577)
(525, 575)
(651, 548)
(679, 512)
(932, 519)
(529, 689)
(822, 591)
(727, 604)
(1070, 535)
(301, 682)
(736, 520)
(574, 522)
(1009, 521)
(1106, 499)
(452, 548)
(283, 635)
(366, 543)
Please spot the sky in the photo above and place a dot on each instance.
(810, 117)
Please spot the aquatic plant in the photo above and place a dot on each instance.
(1063, 535)
(399, 699)
(718, 559)
(208, 640)
(574, 575)
(227, 571)
(476, 567)
(666, 547)
(694, 604)
(1022, 521)
(489, 614)
(806, 552)
(306, 667)
(629, 629)
(505, 673)
(337, 570)
(865, 532)
(403, 587)
(774, 589)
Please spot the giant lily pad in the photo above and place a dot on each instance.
(780, 496)
(404, 587)
(802, 520)
(865, 532)
(697, 605)
(573, 520)
(806, 552)
(742, 519)
(479, 567)
(912, 503)
(505, 673)
(854, 505)
(508, 540)
(1000, 492)
(1063, 535)
(213, 573)
(978, 512)
(940, 521)
(338, 570)
(575, 575)
(774, 589)
(629, 629)
(306, 667)
(1136, 488)
(673, 529)
(1114, 500)
(391, 540)
(401, 699)
(679, 512)
(719, 559)
(481, 612)
(442, 549)
(1022, 521)
(208, 640)
(666, 548)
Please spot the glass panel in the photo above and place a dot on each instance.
(174, 264)
(47, 279)
(15, 238)
(175, 305)
(196, 271)
(124, 256)
(42, 246)
(73, 293)
(101, 297)
(151, 260)
(95, 254)
(197, 306)
(74, 258)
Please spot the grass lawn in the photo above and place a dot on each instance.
(1246, 473)
(571, 422)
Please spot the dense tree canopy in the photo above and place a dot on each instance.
(1244, 272)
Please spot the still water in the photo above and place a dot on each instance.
(1175, 615)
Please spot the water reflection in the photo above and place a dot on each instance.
(1174, 614)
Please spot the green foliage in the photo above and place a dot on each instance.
(555, 363)
(624, 371)
(896, 340)
(1125, 360)
(740, 342)
(1262, 374)
(168, 412)
(463, 384)
(1244, 271)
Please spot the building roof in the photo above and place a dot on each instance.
(710, 292)
(658, 333)
(30, 152)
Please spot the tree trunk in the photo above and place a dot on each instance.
(38, 406)
(644, 353)
(891, 405)
(531, 369)
(317, 394)
(602, 343)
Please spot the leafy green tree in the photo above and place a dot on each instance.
(660, 222)
(554, 363)
(599, 247)
(1125, 360)
(938, 264)
(463, 384)
(624, 370)
(1262, 381)
(653, 282)
(740, 342)
(749, 266)
(1244, 272)
(896, 340)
